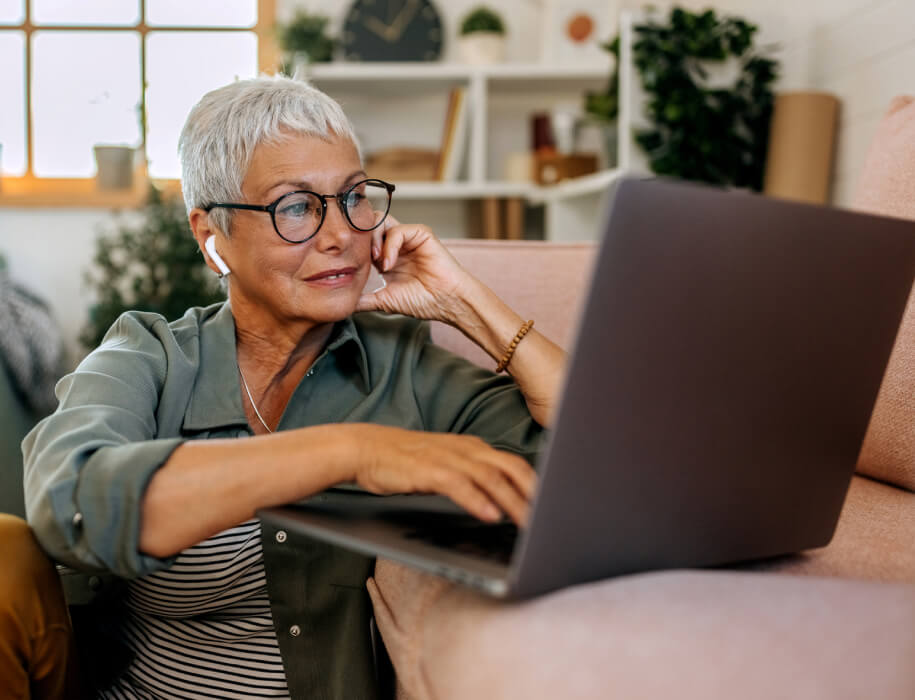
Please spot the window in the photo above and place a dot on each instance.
(74, 76)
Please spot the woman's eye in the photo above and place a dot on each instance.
(295, 209)
(354, 199)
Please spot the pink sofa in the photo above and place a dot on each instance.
(838, 622)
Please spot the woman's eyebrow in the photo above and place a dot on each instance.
(358, 173)
(306, 185)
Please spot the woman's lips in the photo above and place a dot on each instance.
(333, 278)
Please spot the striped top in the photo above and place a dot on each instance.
(203, 628)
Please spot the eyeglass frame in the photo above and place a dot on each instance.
(340, 197)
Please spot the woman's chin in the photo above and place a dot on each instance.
(331, 308)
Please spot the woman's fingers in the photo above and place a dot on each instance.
(464, 491)
(378, 234)
(484, 481)
(506, 480)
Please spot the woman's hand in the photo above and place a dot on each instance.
(484, 481)
(422, 278)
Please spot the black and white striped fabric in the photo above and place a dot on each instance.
(203, 628)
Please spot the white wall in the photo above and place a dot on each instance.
(864, 52)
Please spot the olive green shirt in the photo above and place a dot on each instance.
(151, 385)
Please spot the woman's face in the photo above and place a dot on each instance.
(321, 279)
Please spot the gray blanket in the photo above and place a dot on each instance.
(31, 347)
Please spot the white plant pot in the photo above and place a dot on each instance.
(719, 75)
(481, 48)
(115, 167)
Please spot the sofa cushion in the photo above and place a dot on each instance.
(678, 634)
(887, 186)
(873, 540)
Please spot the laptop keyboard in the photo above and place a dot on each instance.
(489, 541)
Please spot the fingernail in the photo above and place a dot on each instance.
(386, 264)
(375, 251)
(492, 513)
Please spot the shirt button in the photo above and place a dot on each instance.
(281, 536)
(295, 630)
(77, 519)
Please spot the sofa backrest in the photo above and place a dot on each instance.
(887, 186)
(542, 281)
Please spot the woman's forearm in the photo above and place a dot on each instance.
(537, 364)
(208, 486)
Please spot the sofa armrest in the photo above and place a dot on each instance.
(683, 634)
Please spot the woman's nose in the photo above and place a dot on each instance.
(336, 227)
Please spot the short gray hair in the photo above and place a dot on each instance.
(223, 129)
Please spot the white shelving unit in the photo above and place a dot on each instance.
(403, 103)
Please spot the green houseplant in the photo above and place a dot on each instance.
(304, 39)
(482, 19)
(704, 131)
(482, 36)
(602, 108)
(148, 264)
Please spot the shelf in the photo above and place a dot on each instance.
(77, 193)
(376, 78)
(461, 190)
(387, 72)
(535, 194)
(584, 185)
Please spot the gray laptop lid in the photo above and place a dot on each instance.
(730, 354)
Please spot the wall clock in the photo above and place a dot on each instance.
(392, 30)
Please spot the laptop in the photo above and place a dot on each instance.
(724, 370)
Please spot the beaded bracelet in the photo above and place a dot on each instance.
(510, 350)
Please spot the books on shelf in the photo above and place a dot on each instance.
(454, 135)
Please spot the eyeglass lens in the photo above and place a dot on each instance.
(298, 214)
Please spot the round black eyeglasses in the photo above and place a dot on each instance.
(297, 216)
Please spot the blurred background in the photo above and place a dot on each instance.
(502, 120)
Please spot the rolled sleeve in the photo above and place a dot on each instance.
(455, 395)
(87, 466)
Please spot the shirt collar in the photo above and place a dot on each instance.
(216, 397)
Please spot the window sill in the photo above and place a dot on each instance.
(82, 193)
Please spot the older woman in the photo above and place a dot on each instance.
(170, 436)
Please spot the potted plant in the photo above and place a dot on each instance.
(304, 40)
(709, 98)
(602, 108)
(116, 161)
(482, 36)
(150, 263)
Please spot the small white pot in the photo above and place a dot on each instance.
(115, 167)
(719, 75)
(480, 48)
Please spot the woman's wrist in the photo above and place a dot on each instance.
(484, 318)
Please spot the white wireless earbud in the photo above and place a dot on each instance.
(210, 245)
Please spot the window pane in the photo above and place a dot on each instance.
(85, 91)
(97, 12)
(12, 11)
(12, 115)
(180, 68)
(202, 13)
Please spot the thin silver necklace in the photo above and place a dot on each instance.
(251, 399)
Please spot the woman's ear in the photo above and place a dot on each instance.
(205, 235)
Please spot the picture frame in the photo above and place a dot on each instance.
(573, 30)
